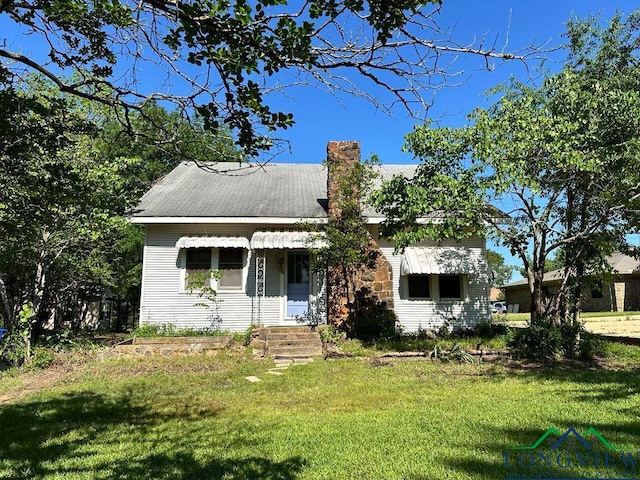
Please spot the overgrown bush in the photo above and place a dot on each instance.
(591, 346)
(491, 330)
(537, 341)
(332, 335)
(245, 337)
(542, 340)
(571, 334)
(14, 348)
(373, 321)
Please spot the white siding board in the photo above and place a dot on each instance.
(163, 300)
(431, 314)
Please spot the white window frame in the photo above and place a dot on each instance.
(464, 282)
(245, 272)
(215, 255)
(405, 286)
(434, 289)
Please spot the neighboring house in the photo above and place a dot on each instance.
(619, 293)
(245, 222)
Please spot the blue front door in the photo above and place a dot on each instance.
(297, 284)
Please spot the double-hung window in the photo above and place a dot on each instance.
(197, 262)
(230, 265)
(419, 286)
(450, 286)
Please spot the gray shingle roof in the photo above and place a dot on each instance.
(274, 190)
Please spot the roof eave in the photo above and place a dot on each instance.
(241, 220)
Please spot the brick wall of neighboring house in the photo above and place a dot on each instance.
(632, 297)
(520, 296)
(621, 295)
(373, 283)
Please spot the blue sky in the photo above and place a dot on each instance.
(320, 117)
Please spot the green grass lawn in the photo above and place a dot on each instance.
(198, 418)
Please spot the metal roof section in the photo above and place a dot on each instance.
(437, 261)
(271, 191)
(286, 240)
(212, 242)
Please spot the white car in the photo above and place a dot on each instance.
(499, 307)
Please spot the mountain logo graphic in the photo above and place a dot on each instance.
(595, 437)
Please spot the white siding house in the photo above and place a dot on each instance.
(245, 223)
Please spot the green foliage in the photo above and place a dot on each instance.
(373, 320)
(591, 346)
(200, 283)
(446, 329)
(501, 272)
(489, 330)
(215, 53)
(42, 358)
(14, 347)
(457, 354)
(170, 330)
(245, 337)
(537, 341)
(69, 172)
(563, 155)
(542, 341)
(332, 335)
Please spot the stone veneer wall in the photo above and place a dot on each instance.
(373, 283)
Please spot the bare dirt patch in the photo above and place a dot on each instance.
(35, 382)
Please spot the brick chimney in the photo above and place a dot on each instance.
(341, 157)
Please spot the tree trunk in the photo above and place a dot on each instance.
(38, 295)
(6, 302)
(537, 297)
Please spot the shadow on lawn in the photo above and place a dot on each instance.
(66, 436)
(594, 384)
(602, 384)
(502, 460)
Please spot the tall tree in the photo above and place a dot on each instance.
(561, 160)
(68, 174)
(501, 271)
(223, 59)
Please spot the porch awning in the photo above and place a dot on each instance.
(212, 242)
(289, 239)
(437, 261)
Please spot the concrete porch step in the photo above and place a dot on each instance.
(277, 336)
(276, 347)
(293, 342)
(309, 351)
